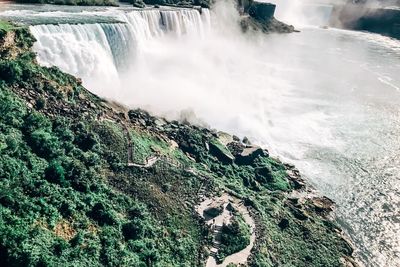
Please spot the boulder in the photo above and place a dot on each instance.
(246, 141)
(236, 148)
(221, 152)
(225, 138)
(323, 204)
(295, 177)
(261, 11)
(264, 175)
(249, 154)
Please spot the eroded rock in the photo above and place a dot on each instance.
(221, 152)
(249, 154)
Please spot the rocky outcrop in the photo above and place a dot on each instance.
(384, 21)
(261, 11)
(221, 152)
(259, 16)
(249, 154)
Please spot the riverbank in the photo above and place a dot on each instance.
(81, 184)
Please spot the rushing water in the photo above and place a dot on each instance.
(324, 99)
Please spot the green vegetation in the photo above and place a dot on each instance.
(52, 174)
(69, 198)
(5, 26)
(59, 206)
(234, 237)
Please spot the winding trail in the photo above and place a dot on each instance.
(150, 161)
(217, 223)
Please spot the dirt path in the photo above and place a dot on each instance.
(216, 224)
(149, 162)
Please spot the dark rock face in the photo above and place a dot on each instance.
(221, 154)
(262, 12)
(271, 26)
(249, 154)
(260, 16)
(323, 205)
(357, 17)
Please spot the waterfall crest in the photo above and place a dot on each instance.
(93, 51)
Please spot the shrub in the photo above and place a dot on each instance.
(76, 174)
(102, 215)
(11, 167)
(40, 103)
(86, 140)
(35, 121)
(44, 144)
(234, 237)
(55, 173)
(132, 230)
(10, 71)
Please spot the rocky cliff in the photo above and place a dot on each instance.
(385, 21)
(86, 182)
(260, 16)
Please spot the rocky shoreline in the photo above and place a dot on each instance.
(70, 192)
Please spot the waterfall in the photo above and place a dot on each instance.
(103, 51)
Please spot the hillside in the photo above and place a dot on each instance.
(85, 182)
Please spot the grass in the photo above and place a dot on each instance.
(6, 26)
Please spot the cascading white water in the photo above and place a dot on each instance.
(93, 51)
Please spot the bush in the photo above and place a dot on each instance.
(36, 121)
(10, 71)
(40, 103)
(44, 144)
(234, 237)
(102, 215)
(132, 230)
(76, 174)
(55, 173)
(85, 139)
